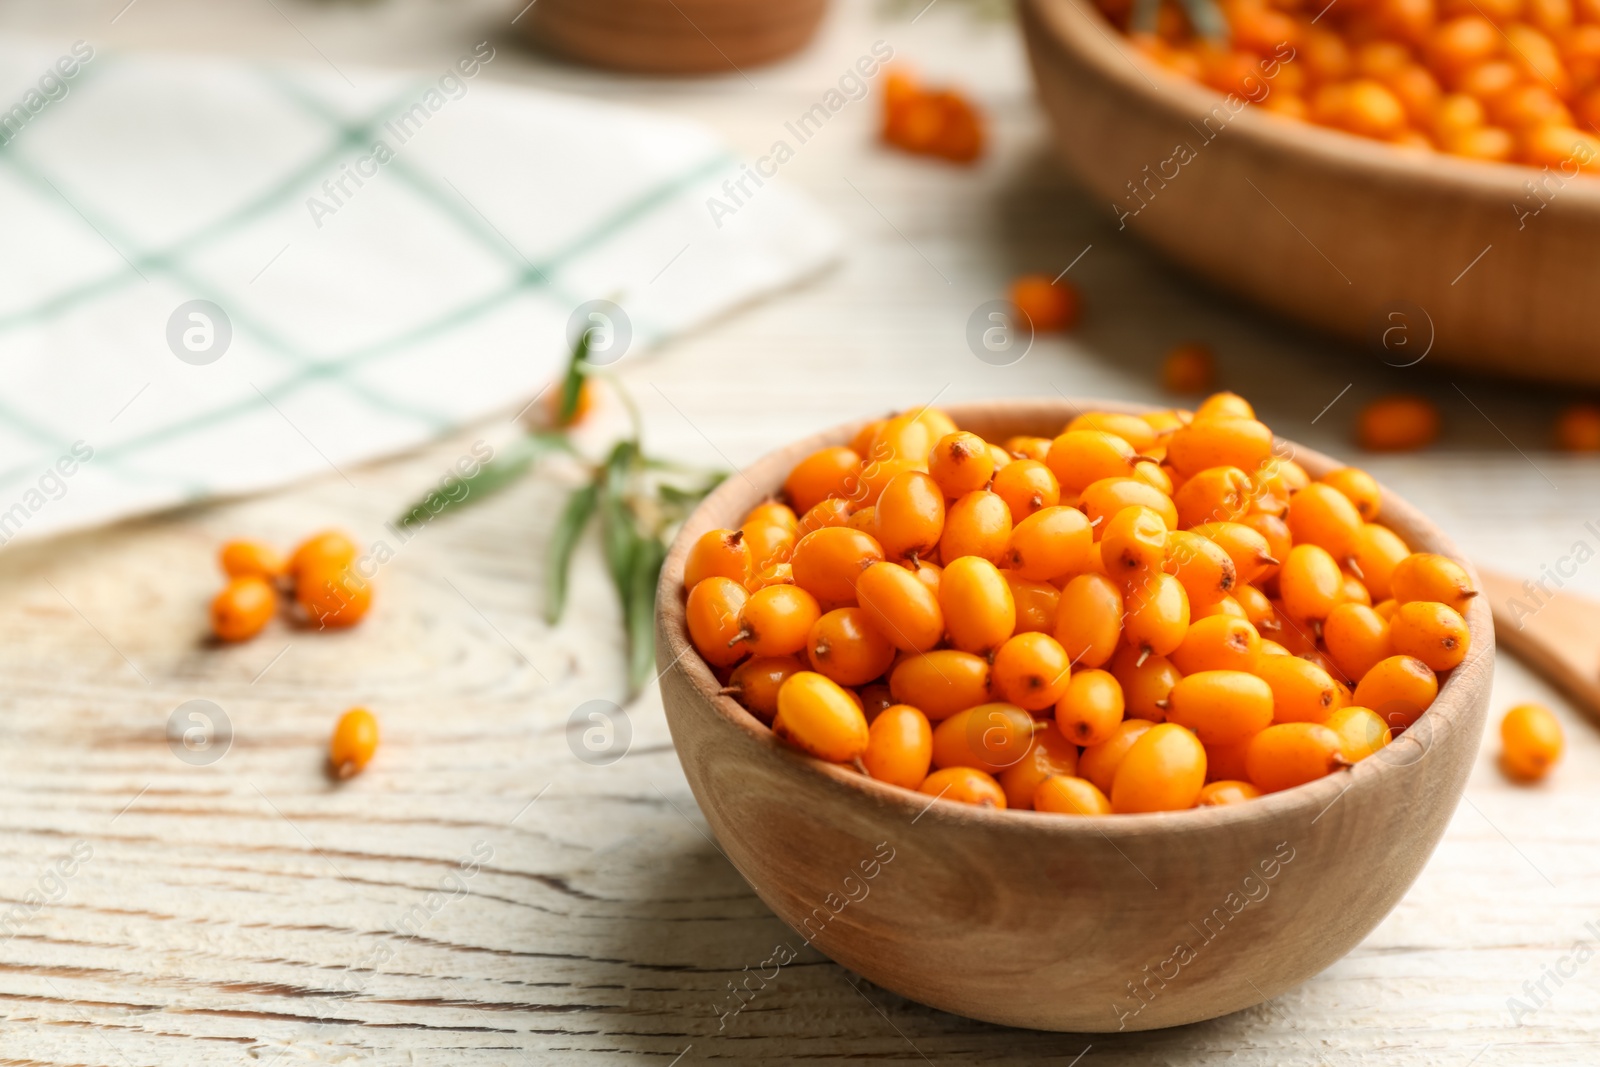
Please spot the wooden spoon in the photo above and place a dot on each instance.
(1556, 633)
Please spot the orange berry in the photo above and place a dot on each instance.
(1099, 763)
(354, 742)
(1225, 791)
(1188, 368)
(1202, 566)
(828, 562)
(1048, 305)
(776, 621)
(1067, 795)
(1430, 631)
(1158, 614)
(1578, 428)
(1103, 499)
(1037, 604)
(846, 647)
(834, 511)
(1321, 515)
(325, 551)
(827, 472)
(901, 607)
(1224, 405)
(1222, 707)
(909, 516)
(1089, 619)
(865, 520)
(1133, 429)
(1050, 544)
(1245, 545)
(1429, 576)
(1361, 732)
(1090, 708)
(941, 682)
(1218, 643)
(712, 614)
(1357, 638)
(774, 512)
(979, 610)
(1290, 754)
(1048, 754)
(818, 717)
(1220, 441)
(1031, 671)
(964, 785)
(1163, 771)
(899, 746)
(252, 559)
(1146, 682)
(1531, 741)
(1397, 424)
(1079, 458)
(334, 597)
(1216, 494)
(1134, 544)
(1226, 763)
(1398, 688)
(243, 608)
(1358, 487)
(1301, 690)
(1310, 582)
(960, 463)
(977, 524)
(1024, 446)
(989, 737)
(755, 683)
(1027, 487)
(718, 554)
(1377, 551)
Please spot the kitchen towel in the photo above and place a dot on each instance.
(220, 277)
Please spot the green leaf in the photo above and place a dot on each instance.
(639, 610)
(580, 505)
(492, 476)
(617, 529)
(572, 384)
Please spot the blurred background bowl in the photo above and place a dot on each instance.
(1344, 233)
(1056, 922)
(674, 36)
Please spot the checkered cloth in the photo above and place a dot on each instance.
(369, 304)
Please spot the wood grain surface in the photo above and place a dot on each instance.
(250, 912)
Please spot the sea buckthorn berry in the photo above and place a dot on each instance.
(1224, 406)
(906, 437)
(899, 746)
(776, 621)
(828, 472)
(1139, 434)
(1163, 771)
(1245, 545)
(1001, 457)
(1027, 486)
(1398, 688)
(777, 574)
(335, 597)
(1218, 442)
(1154, 475)
(1103, 499)
(1224, 792)
(1226, 763)
(1216, 494)
(828, 562)
(755, 683)
(861, 443)
(325, 551)
(1429, 576)
(354, 742)
(820, 718)
(1037, 604)
(1066, 795)
(1302, 691)
(909, 516)
(252, 559)
(1049, 754)
(1257, 608)
(900, 607)
(1274, 483)
(1134, 543)
(1221, 707)
(1091, 707)
(941, 682)
(717, 554)
(1397, 424)
(1310, 582)
(1089, 619)
(1430, 631)
(1031, 671)
(1164, 422)
(712, 615)
(1275, 531)
(1078, 458)
(1218, 643)
(1378, 550)
(1357, 638)
(834, 511)
(1048, 305)
(1294, 753)
(979, 611)
(1531, 742)
(1146, 682)
(960, 463)
(1025, 447)
(865, 520)
(1051, 543)
(1578, 428)
(875, 699)
(243, 608)
(929, 574)
(1227, 606)
(964, 785)
(1358, 487)
(1188, 368)
(1099, 763)
(877, 474)
(1158, 614)
(1202, 566)
(1353, 591)
(774, 512)
(1361, 732)
(978, 524)
(845, 646)
(989, 737)
(1321, 515)
(938, 423)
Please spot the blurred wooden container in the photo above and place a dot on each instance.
(674, 36)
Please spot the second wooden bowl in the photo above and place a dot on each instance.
(1400, 250)
(1123, 922)
(675, 36)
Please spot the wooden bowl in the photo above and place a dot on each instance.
(1051, 921)
(1332, 229)
(674, 36)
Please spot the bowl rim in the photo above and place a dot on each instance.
(1085, 35)
(745, 488)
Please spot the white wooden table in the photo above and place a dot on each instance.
(247, 911)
